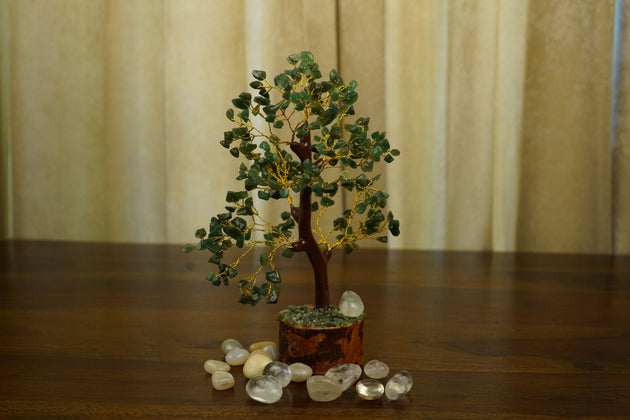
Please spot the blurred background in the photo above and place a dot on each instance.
(512, 116)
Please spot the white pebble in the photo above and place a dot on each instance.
(255, 364)
(280, 371)
(376, 369)
(272, 350)
(398, 385)
(264, 389)
(345, 374)
(262, 344)
(300, 372)
(370, 389)
(323, 389)
(351, 304)
(222, 380)
(237, 356)
(229, 345)
(212, 366)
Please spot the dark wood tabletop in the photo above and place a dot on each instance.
(118, 331)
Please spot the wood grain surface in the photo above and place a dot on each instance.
(119, 331)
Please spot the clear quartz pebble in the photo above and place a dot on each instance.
(398, 385)
(344, 374)
(212, 366)
(237, 356)
(229, 345)
(376, 369)
(280, 371)
(370, 389)
(222, 380)
(300, 372)
(351, 304)
(323, 389)
(265, 389)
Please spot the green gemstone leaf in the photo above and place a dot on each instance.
(282, 81)
(240, 103)
(259, 74)
(273, 296)
(327, 202)
(272, 276)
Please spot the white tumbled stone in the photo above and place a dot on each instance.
(212, 366)
(272, 350)
(237, 356)
(323, 389)
(376, 369)
(265, 389)
(229, 345)
(370, 389)
(300, 372)
(351, 304)
(262, 344)
(222, 380)
(344, 374)
(255, 364)
(398, 385)
(280, 371)
(260, 351)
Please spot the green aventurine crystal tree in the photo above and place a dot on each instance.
(298, 146)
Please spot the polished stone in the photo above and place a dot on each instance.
(344, 374)
(323, 389)
(300, 372)
(260, 351)
(229, 345)
(351, 304)
(262, 344)
(370, 389)
(280, 371)
(272, 350)
(222, 380)
(237, 356)
(398, 385)
(376, 369)
(255, 364)
(265, 389)
(212, 366)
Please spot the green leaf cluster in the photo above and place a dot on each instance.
(290, 131)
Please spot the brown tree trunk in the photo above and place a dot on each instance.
(306, 242)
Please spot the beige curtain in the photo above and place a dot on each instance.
(503, 110)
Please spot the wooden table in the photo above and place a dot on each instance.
(111, 330)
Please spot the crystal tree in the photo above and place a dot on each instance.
(297, 145)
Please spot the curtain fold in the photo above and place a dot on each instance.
(134, 122)
(503, 110)
(566, 141)
(621, 147)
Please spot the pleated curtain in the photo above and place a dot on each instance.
(512, 116)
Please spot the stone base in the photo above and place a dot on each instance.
(321, 348)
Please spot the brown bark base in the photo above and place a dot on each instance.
(321, 348)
